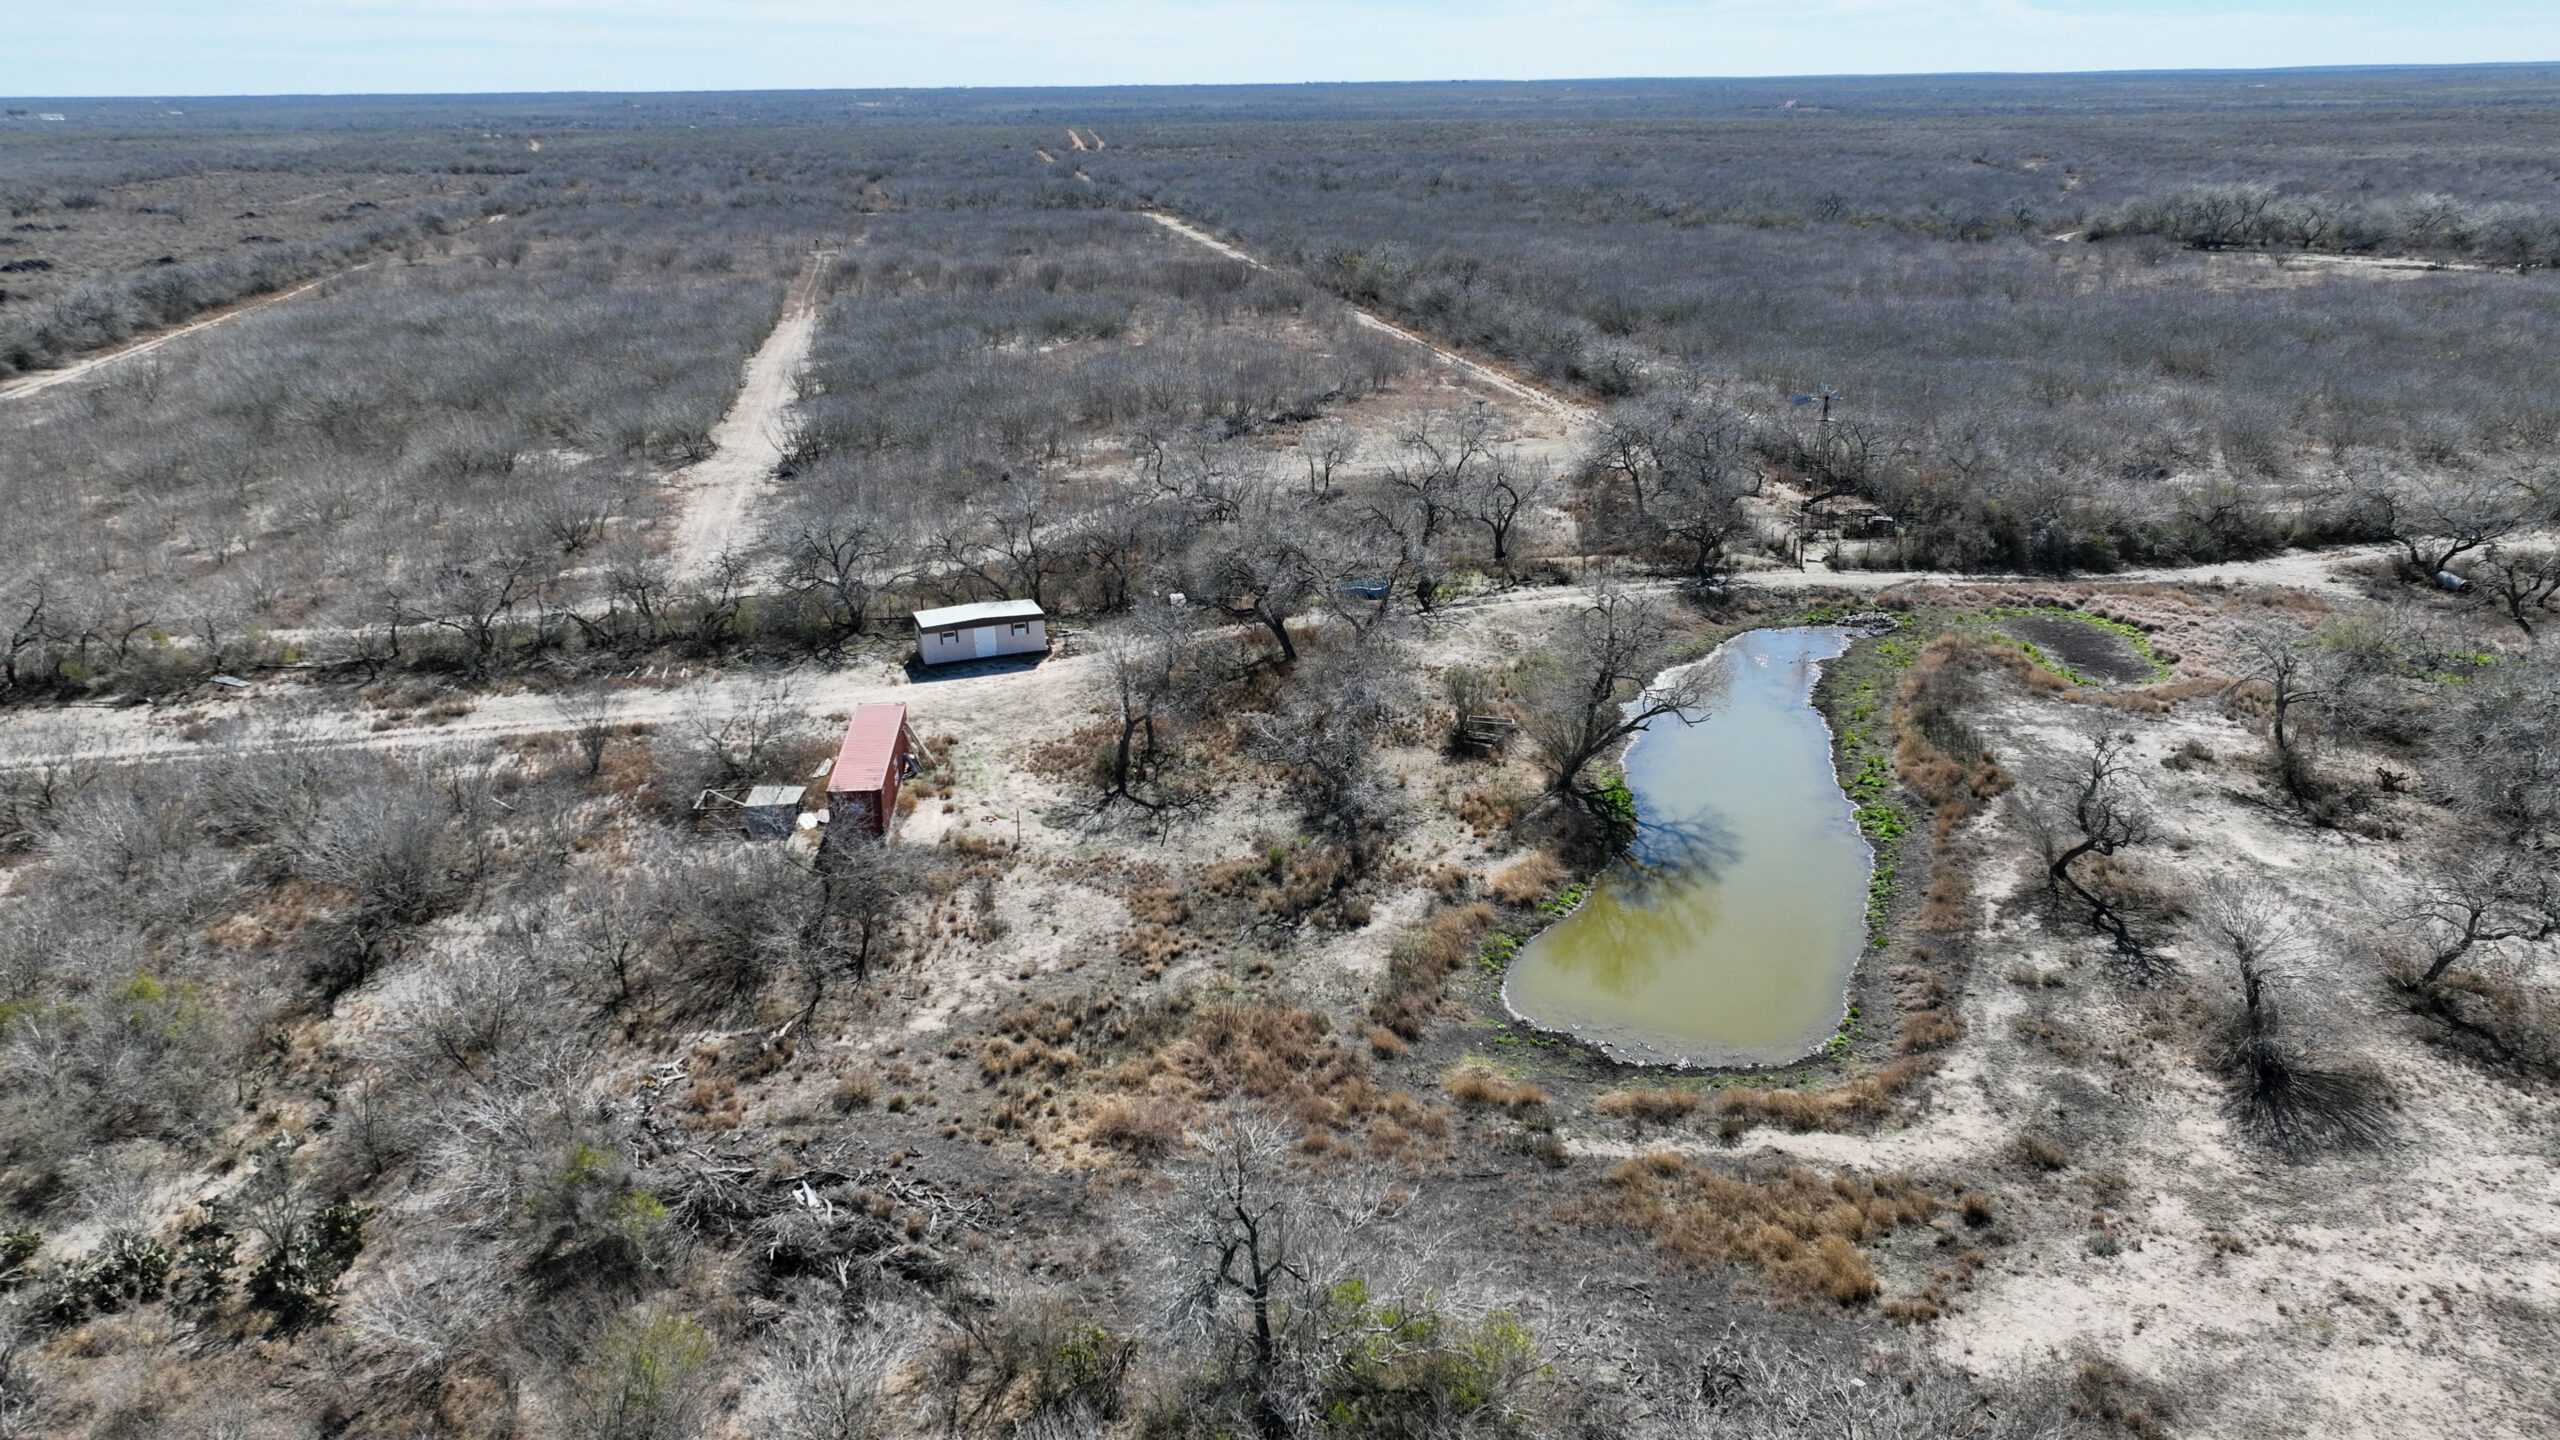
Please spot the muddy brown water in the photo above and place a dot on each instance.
(1729, 935)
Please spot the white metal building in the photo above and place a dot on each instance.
(976, 632)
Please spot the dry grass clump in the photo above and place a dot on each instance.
(1287, 881)
(1142, 1129)
(1845, 1106)
(2037, 1152)
(1488, 809)
(1419, 965)
(1801, 1231)
(1928, 1021)
(1264, 1051)
(1938, 755)
(1157, 905)
(2489, 1017)
(854, 1092)
(2161, 698)
(2118, 1401)
(1041, 1037)
(1528, 880)
(1285, 1058)
(1152, 947)
(1476, 1083)
(1659, 1107)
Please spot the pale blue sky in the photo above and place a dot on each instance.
(214, 47)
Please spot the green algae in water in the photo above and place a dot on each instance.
(1728, 937)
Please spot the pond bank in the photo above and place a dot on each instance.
(1728, 938)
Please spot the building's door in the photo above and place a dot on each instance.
(985, 638)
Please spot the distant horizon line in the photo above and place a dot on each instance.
(165, 96)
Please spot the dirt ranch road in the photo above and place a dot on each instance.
(286, 715)
(42, 381)
(719, 494)
(1546, 400)
(295, 717)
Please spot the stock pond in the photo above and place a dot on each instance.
(1728, 936)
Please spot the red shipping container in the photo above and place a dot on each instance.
(862, 786)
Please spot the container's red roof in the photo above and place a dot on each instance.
(869, 743)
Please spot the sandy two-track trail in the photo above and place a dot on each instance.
(45, 380)
(718, 496)
(1571, 411)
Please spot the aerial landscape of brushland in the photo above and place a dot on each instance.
(447, 988)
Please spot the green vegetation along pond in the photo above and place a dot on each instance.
(1728, 937)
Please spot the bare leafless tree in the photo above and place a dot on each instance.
(2289, 1091)
(1327, 733)
(19, 1396)
(589, 715)
(1326, 447)
(2523, 579)
(2479, 895)
(2436, 520)
(428, 1308)
(1265, 567)
(863, 882)
(2099, 812)
(2497, 753)
(739, 741)
(1502, 497)
(1751, 1385)
(1155, 671)
(843, 556)
(824, 1374)
(1240, 1278)
(2298, 674)
(1599, 683)
(475, 598)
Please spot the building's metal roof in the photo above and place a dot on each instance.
(984, 612)
(767, 796)
(869, 744)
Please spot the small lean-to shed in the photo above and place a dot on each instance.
(772, 811)
(862, 786)
(980, 631)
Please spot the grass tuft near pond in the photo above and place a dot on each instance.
(1800, 1231)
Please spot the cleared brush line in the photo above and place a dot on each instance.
(1512, 386)
(720, 493)
(81, 369)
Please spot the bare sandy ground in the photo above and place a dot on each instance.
(719, 495)
(288, 715)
